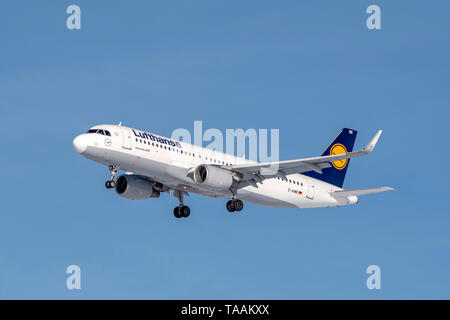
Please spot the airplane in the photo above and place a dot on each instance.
(155, 164)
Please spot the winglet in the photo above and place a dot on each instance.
(369, 147)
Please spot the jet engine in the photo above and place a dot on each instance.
(135, 187)
(212, 177)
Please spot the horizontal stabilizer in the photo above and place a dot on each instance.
(359, 192)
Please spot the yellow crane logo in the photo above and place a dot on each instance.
(339, 149)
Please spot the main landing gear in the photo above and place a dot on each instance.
(111, 183)
(181, 211)
(235, 205)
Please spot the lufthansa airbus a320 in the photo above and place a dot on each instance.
(154, 164)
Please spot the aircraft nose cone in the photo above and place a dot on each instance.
(80, 143)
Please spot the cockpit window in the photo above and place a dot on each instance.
(100, 131)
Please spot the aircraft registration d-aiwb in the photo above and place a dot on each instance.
(154, 164)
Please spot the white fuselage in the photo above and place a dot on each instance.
(157, 158)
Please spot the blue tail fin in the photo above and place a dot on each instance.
(336, 173)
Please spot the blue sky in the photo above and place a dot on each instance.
(306, 68)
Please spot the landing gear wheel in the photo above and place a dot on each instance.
(230, 206)
(110, 184)
(235, 205)
(238, 205)
(177, 212)
(181, 212)
(185, 211)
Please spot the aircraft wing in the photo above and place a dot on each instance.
(257, 172)
(358, 192)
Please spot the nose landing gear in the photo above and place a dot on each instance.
(112, 183)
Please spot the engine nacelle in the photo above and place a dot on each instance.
(135, 187)
(213, 177)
